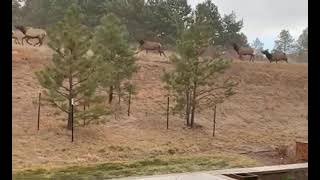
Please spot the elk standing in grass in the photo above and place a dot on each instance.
(276, 56)
(242, 51)
(32, 33)
(149, 45)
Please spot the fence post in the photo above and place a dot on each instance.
(214, 120)
(84, 118)
(39, 106)
(129, 103)
(72, 103)
(168, 112)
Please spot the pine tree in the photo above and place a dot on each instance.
(16, 12)
(285, 42)
(131, 13)
(303, 40)
(231, 31)
(258, 45)
(195, 82)
(166, 17)
(116, 61)
(71, 75)
(207, 15)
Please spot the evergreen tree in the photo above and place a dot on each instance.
(71, 75)
(303, 40)
(37, 13)
(285, 42)
(16, 12)
(258, 45)
(93, 11)
(207, 16)
(111, 48)
(166, 17)
(231, 31)
(195, 82)
(131, 13)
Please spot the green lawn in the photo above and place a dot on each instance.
(137, 168)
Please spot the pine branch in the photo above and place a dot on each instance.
(62, 94)
(65, 88)
(88, 76)
(212, 89)
(55, 104)
(79, 99)
(79, 82)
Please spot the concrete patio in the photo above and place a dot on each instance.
(220, 174)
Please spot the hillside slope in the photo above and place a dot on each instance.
(269, 109)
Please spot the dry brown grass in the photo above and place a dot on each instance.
(270, 108)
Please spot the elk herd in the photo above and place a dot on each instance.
(39, 34)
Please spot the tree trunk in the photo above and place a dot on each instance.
(39, 106)
(110, 94)
(194, 96)
(84, 118)
(188, 107)
(168, 105)
(214, 120)
(119, 89)
(193, 105)
(69, 126)
(129, 103)
(119, 96)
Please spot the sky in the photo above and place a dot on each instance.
(265, 18)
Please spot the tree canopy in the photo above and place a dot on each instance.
(159, 20)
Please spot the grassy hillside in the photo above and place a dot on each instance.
(269, 109)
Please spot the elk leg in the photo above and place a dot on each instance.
(39, 42)
(16, 41)
(138, 51)
(163, 53)
(28, 41)
(23, 39)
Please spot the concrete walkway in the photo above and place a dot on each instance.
(218, 174)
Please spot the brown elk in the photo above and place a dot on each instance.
(276, 56)
(149, 45)
(32, 33)
(242, 51)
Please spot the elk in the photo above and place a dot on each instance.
(276, 56)
(149, 45)
(32, 33)
(242, 51)
(15, 37)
